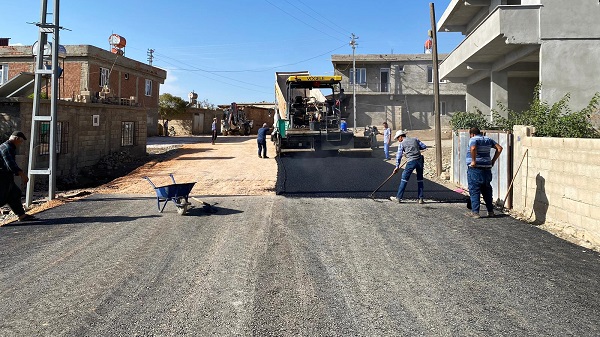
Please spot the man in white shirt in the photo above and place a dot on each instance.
(387, 139)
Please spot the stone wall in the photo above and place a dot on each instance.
(557, 183)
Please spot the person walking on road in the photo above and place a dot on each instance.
(479, 171)
(261, 140)
(10, 193)
(387, 140)
(213, 129)
(411, 148)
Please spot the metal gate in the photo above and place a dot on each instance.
(501, 172)
(198, 124)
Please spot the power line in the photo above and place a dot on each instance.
(231, 84)
(272, 4)
(346, 32)
(325, 23)
(267, 69)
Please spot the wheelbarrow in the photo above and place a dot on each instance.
(177, 193)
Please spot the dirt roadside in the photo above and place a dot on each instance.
(230, 167)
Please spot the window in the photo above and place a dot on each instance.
(62, 132)
(148, 87)
(127, 133)
(361, 76)
(430, 75)
(384, 79)
(3, 73)
(104, 77)
(400, 68)
(443, 111)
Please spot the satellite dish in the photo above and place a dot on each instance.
(62, 51)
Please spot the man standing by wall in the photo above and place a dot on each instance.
(387, 139)
(479, 173)
(411, 148)
(10, 193)
(213, 129)
(261, 140)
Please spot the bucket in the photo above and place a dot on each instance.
(344, 125)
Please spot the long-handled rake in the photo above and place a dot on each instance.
(372, 195)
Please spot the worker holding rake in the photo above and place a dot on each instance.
(411, 148)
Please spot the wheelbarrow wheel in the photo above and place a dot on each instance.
(181, 210)
(182, 206)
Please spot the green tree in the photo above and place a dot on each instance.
(207, 105)
(170, 106)
(556, 120)
(466, 120)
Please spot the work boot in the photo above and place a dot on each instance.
(473, 215)
(393, 198)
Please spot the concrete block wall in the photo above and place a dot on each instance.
(558, 182)
(86, 144)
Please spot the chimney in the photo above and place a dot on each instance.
(4, 41)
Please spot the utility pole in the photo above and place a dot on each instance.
(354, 44)
(436, 95)
(150, 56)
(45, 29)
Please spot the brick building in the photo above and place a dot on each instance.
(93, 75)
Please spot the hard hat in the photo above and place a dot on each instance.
(400, 133)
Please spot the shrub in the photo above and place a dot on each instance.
(467, 120)
(556, 120)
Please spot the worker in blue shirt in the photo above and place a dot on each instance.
(411, 148)
(262, 141)
(10, 193)
(479, 172)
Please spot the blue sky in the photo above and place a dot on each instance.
(229, 50)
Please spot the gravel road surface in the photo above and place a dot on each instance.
(111, 265)
(320, 258)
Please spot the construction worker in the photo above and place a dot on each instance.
(479, 171)
(213, 129)
(411, 148)
(387, 139)
(261, 140)
(10, 193)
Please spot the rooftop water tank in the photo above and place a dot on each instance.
(117, 41)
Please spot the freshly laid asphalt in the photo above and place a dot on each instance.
(300, 263)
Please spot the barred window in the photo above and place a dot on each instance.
(148, 87)
(62, 133)
(127, 133)
(104, 77)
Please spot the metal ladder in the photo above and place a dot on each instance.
(45, 29)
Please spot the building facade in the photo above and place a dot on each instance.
(512, 45)
(93, 75)
(397, 88)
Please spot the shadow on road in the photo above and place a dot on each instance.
(351, 176)
(80, 220)
(212, 210)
